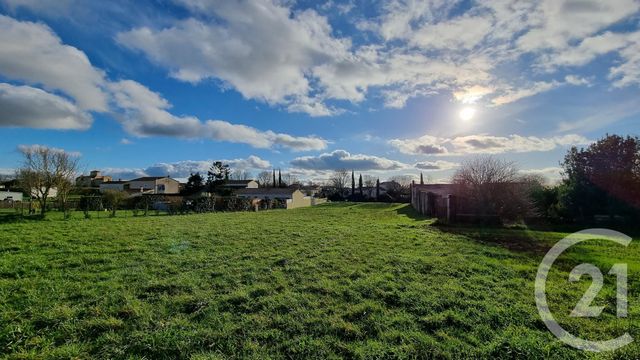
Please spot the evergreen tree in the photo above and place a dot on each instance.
(360, 185)
(353, 183)
(377, 189)
(274, 178)
(421, 179)
(279, 178)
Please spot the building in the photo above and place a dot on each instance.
(114, 185)
(154, 185)
(240, 184)
(10, 195)
(294, 198)
(429, 198)
(93, 180)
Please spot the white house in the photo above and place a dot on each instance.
(294, 198)
(10, 195)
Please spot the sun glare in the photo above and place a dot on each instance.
(467, 113)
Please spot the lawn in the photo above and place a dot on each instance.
(333, 281)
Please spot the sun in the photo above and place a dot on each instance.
(467, 113)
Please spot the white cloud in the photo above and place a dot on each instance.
(513, 95)
(425, 145)
(182, 169)
(463, 32)
(25, 106)
(558, 22)
(125, 141)
(341, 159)
(260, 48)
(628, 73)
(483, 144)
(436, 165)
(145, 114)
(31, 52)
(552, 174)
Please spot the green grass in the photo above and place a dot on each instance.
(333, 281)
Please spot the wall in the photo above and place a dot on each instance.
(15, 196)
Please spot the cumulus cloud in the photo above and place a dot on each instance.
(424, 145)
(485, 144)
(145, 114)
(25, 106)
(260, 48)
(33, 53)
(436, 165)
(182, 169)
(341, 159)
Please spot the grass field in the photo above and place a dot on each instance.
(333, 281)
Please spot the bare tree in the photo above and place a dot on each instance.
(264, 178)
(43, 170)
(340, 179)
(241, 175)
(493, 186)
(290, 179)
(369, 181)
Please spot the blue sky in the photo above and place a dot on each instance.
(385, 88)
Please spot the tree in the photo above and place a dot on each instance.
(491, 186)
(360, 185)
(264, 178)
(280, 183)
(43, 170)
(339, 180)
(217, 174)
(241, 175)
(377, 189)
(603, 179)
(113, 199)
(194, 183)
(290, 179)
(274, 178)
(421, 179)
(353, 184)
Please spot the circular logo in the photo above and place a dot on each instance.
(583, 309)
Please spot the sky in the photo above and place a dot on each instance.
(393, 87)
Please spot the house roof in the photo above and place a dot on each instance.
(115, 182)
(233, 182)
(150, 178)
(267, 191)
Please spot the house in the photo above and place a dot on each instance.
(240, 184)
(309, 190)
(155, 185)
(114, 185)
(294, 198)
(10, 195)
(94, 179)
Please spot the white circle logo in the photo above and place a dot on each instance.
(584, 308)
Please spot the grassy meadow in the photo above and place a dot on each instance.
(364, 281)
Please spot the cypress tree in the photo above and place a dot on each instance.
(274, 178)
(279, 178)
(421, 179)
(353, 183)
(377, 189)
(360, 185)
